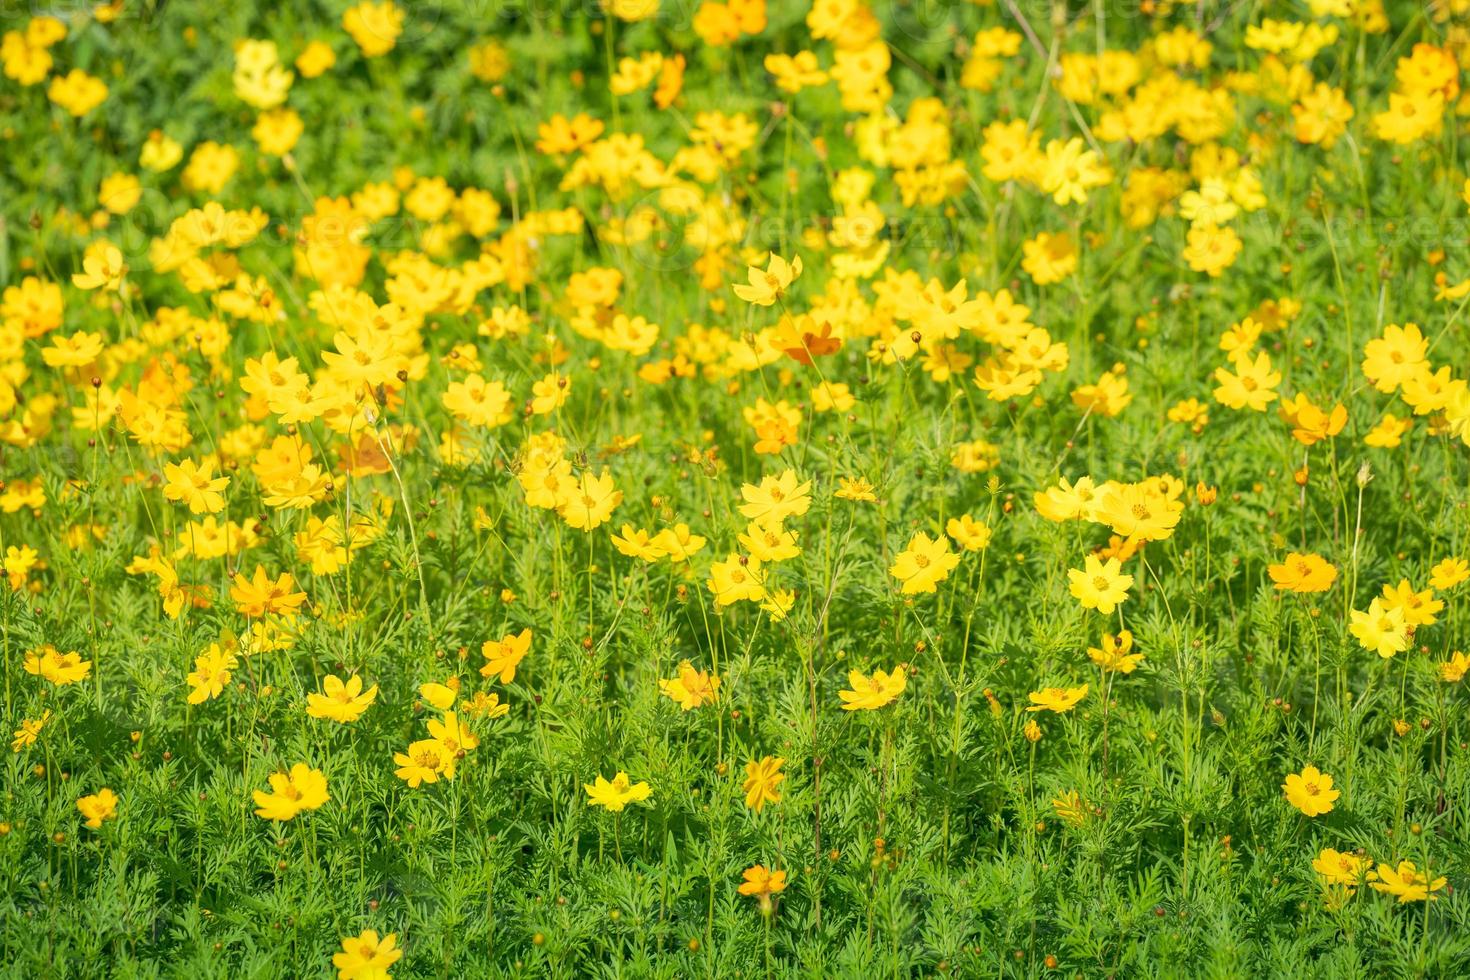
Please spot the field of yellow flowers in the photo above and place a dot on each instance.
(735, 488)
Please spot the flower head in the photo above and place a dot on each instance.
(1100, 585)
(504, 655)
(1058, 699)
(924, 563)
(366, 956)
(303, 788)
(99, 806)
(765, 287)
(762, 779)
(1407, 883)
(1310, 791)
(872, 693)
(691, 688)
(341, 701)
(615, 794)
(1303, 573)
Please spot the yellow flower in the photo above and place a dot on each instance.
(119, 193)
(678, 542)
(616, 794)
(776, 498)
(762, 883)
(1310, 424)
(58, 668)
(1449, 573)
(924, 563)
(1212, 249)
(769, 542)
(795, 72)
(1407, 883)
(1049, 258)
(1070, 809)
(1100, 585)
(160, 152)
(637, 543)
(303, 788)
(1303, 573)
(98, 807)
(1419, 608)
(77, 350)
(277, 131)
(262, 596)
(968, 533)
(211, 672)
(1116, 653)
(453, 734)
(762, 778)
(102, 268)
(778, 603)
(504, 655)
(339, 701)
(1453, 669)
(1138, 511)
(1381, 630)
(1251, 385)
(366, 957)
(591, 502)
(374, 26)
(77, 92)
(315, 59)
(1069, 501)
(1058, 699)
(631, 10)
(441, 697)
(1395, 357)
(1069, 170)
(855, 489)
(770, 285)
(29, 730)
(738, 577)
(425, 761)
(872, 693)
(485, 705)
(1389, 432)
(1310, 791)
(196, 485)
(1340, 867)
(691, 688)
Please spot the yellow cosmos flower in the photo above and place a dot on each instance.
(615, 794)
(766, 287)
(98, 807)
(1100, 585)
(366, 956)
(869, 693)
(1057, 699)
(762, 779)
(691, 688)
(1310, 791)
(924, 563)
(341, 701)
(301, 789)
